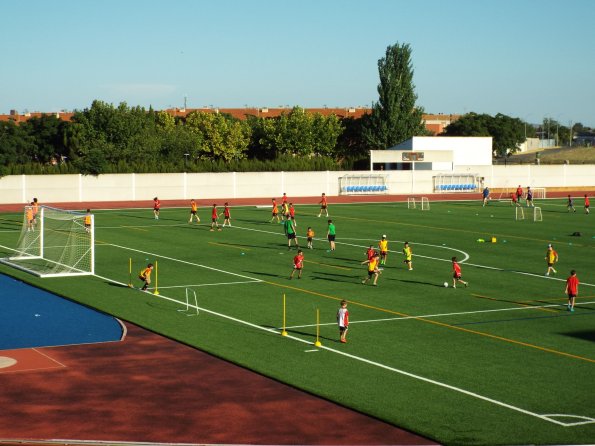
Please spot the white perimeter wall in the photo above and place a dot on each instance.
(132, 187)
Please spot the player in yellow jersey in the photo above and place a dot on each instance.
(373, 270)
(551, 257)
(88, 220)
(193, 211)
(383, 247)
(275, 212)
(310, 237)
(408, 254)
(145, 276)
(30, 217)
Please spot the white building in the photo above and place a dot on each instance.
(435, 153)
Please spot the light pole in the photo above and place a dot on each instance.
(186, 155)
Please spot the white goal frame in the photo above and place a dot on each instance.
(537, 215)
(56, 243)
(539, 192)
(519, 214)
(424, 203)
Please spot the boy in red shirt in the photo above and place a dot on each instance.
(571, 289)
(275, 212)
(298, 264)
(586, 204)
(323, 205)
(214, 219)
(456, 274)
(227, 214)
(156, 207)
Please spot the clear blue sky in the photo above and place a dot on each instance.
(525, 58)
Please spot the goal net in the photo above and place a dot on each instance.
(55, 243)
(539, 192)
(418, 203)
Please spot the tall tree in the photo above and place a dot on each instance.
(395, 117)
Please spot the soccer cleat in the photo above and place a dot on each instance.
(344, 341)
(466, 284)
(547, 274)
(572, 309)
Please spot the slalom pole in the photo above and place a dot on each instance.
(283, 332)
(318, 343)
(130, 272)
(156, 276)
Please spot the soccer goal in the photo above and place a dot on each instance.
(55, 243)
(539, 192)
(537, 214)
(418, 203)
(519, 214)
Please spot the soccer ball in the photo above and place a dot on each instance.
(445, 284)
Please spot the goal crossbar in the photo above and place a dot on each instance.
(55, 243)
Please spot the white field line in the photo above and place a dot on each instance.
(159, 256)
(429, 316)
(207, 284)
(550, 418)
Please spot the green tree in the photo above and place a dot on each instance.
(296, 133)
(395, 117)
(507, 133)
(223, 137)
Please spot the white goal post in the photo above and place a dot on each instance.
(539, 192)
(537, 216)
(519, 214)
(55, 243)
(424, 203)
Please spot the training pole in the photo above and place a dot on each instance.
(130, 272)
(283, 332)
(318, 343)
(156, 276)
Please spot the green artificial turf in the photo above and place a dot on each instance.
(488, 364)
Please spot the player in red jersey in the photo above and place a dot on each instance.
(323, 205)
(571, 289)
(456, 274)
(298, 264)
(586, 204)
(519, 193)
(291, 211)
(156, 207)
(214, 219)
(371, 252)
(227, 215)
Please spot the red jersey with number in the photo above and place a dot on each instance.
(156, 204)
(572, 285)
(214, 213)
(226, 212)
(586, 201)
(291, 211)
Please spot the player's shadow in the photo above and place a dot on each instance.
(419, 282)
(333, 277)
(260, 273)
(303, 333)
(587, 335)
(118, 285)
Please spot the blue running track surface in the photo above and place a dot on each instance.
(30, 317)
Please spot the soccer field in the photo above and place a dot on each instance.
(499, 362)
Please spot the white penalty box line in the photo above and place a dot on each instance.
(438, 315)
(552, 418)
(160, 256)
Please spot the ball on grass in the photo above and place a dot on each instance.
(445, 284)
